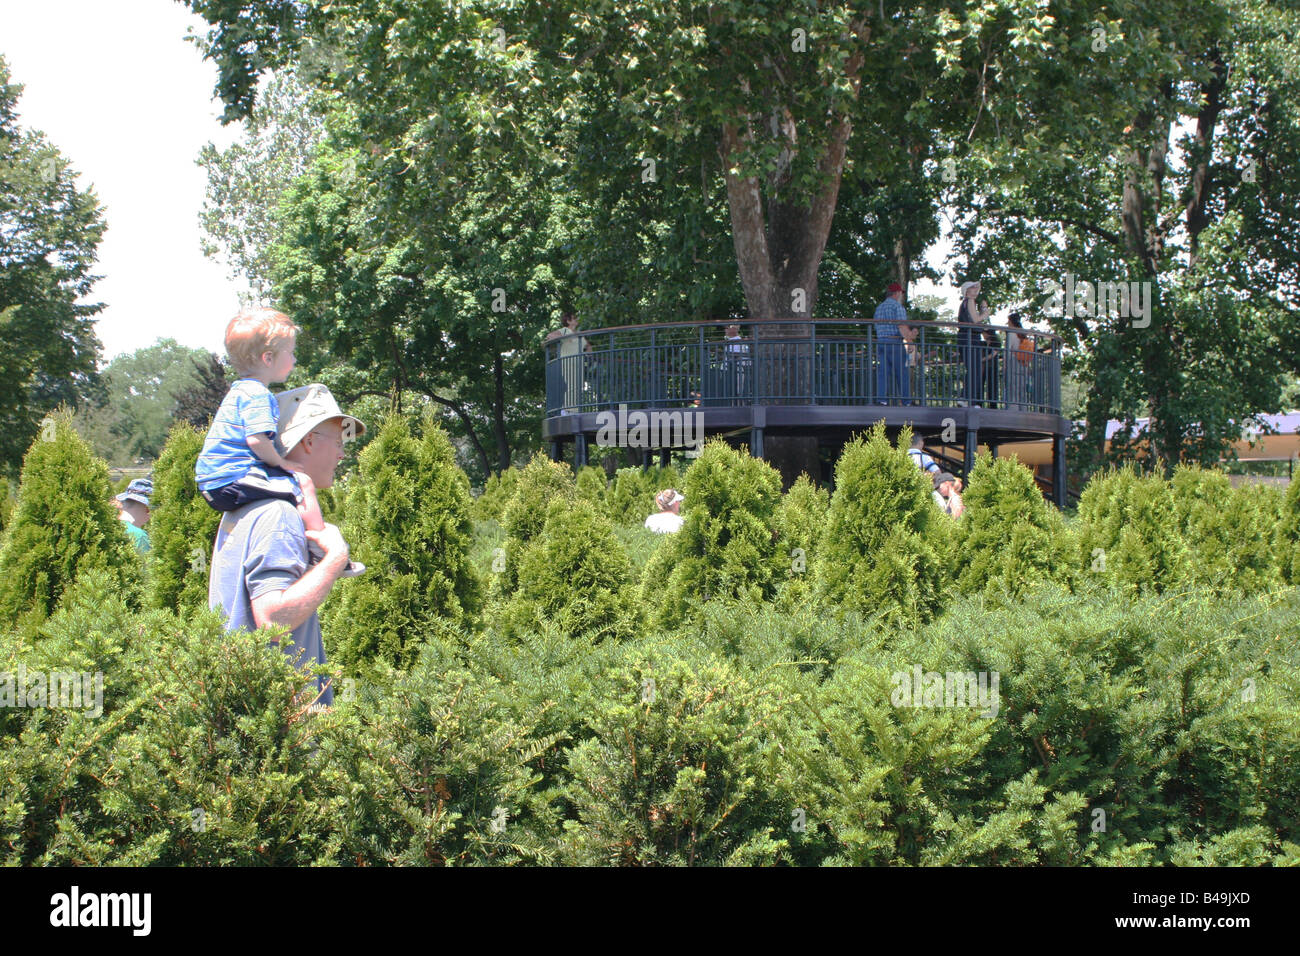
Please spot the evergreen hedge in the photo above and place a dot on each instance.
(408, 521)
(885, 543)
(1152, 722)
(1128, 532)
(1009, 538)
(574, 575)
(62, 526)
(726, 547)
(182, 525)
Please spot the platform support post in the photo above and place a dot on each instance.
(1058, 471)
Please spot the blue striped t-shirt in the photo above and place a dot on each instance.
(249, 408)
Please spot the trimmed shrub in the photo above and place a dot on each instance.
(1009, 538)
(800, 522)
(575, 576)
(408, 522)
(726, 547)
(439, 766)
(1128, 532)
(62, 526)
(1227, 530)
(672, 770)
(182, 526)
(539, 483)
(1288, 535)
(877, 556)
(198, 753)
(590, 486)
(630, 498)
(497, 492)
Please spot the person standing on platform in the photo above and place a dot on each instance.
(892, 381)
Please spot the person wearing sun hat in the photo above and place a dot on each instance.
(263, 574)
(134, 503)
(668, 519)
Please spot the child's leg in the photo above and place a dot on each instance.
(309, 507)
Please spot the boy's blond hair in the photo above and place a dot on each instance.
(250, 334)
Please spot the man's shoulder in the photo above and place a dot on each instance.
(266, 517)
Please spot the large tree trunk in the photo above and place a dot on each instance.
(779, 247)
(1144, 233)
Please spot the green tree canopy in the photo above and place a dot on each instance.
(49, 230)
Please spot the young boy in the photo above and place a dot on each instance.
(239, 462)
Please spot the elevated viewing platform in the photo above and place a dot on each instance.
(959, 385)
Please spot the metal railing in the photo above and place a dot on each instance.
(792, 362)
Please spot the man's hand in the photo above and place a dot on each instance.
(330, 540)
(300, 600)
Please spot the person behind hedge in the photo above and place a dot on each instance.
(920, 458)
(262, 570)
(133, 511)
(946, 495)
(240, 463)
(668, 520)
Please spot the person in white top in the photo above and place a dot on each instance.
(918, 455)
(571, 349)
(668, 519)
(737, 361)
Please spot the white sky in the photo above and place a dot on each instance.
(128, 102)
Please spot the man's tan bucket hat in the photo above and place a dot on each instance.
(302, 409)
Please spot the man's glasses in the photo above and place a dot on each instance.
(336, 441)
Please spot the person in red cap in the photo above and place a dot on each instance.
(892, 382)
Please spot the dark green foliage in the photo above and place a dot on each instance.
(192, 719)
(769, 730)
(408, 522)
(727, 546)
(1009, 539)
(766, 736)
(62, 526)
(182, 526)
(879, 553)
(575, 576)
(436, 768)
(671, 772)
(1128, 532)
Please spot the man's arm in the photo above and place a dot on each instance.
(299, 601)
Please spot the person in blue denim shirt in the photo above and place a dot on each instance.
(892, 381)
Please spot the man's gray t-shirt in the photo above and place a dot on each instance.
(261, 548)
